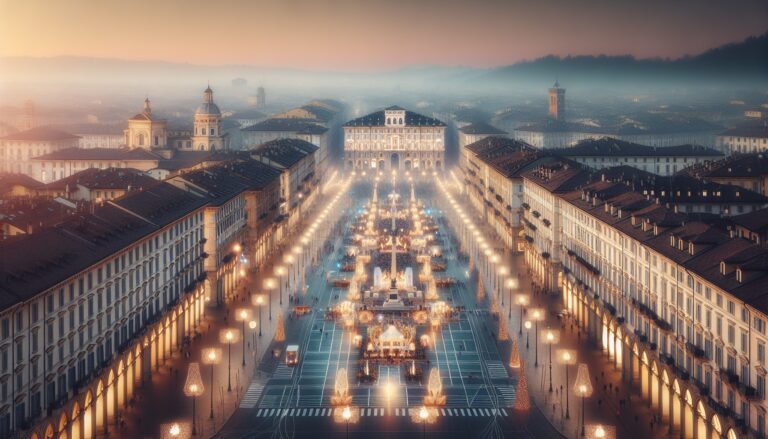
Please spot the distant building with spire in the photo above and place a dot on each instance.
(145, 130)
(261, 97)
(207, 135)
(557, 102)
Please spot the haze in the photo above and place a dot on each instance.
(371, 35)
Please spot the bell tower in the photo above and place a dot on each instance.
(557, 102)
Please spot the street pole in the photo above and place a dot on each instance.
(550, 367)
(211, 417)
(194, 416)
(243, 337)
(521, 318)
(536, 340)
(260, 325)
(229, 368)
(582, 415)
(567, 404)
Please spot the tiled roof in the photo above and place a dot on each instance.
(301, 126)
(99, 154)
(110, 178)
(8, 180)
(216, 184)
(38, 262)
(608, 146)
(42, 133)
(285, 152)
(160, 204)
(756, 221)
(257, 174)
(734, 166)
(481, 128)
(557, 175)
(378, 119)
(494, 142)
(35, 213)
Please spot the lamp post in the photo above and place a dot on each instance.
(512, 285)
(551, 336)
(537, 314)
(567, 357)
(193, 388)
(527, 325)
(258, 300)
(346, 414)
(423, 415)
(522, 300)
(211, 356)
(243, 315)
(583, 387)
(229, 336)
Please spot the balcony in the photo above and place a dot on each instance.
(696, 351)
(729, 376)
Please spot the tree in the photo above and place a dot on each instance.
(480, 290)
(503, 332)
(280, 328)
(522, 402)
(514, 356)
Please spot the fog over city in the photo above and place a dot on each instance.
(289, 219)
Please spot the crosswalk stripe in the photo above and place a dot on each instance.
(379, 412)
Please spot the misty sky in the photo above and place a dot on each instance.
(371, 34)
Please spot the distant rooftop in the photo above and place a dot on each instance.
(301, 126)
(378, 119)
(99, 154)
(42, 133)
(481, 128)
(110, 178)
(285, 152)
(608, 146)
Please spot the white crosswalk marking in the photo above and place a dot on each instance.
(507, 394)
(283, 371)
(377, 412)
(252, 395)
(496, 369)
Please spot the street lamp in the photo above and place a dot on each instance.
(502, 272)
(258, 301)
(551, 336)
(346, 414)
(522, 300)
(567, 357)
(598, 431)
(211, 356)
(193, 388)
(512, 285)
(279, 272)
(243, 315)
(527, 325)
(583, 388)
(423, 415)
(537, 315)
(229, 336)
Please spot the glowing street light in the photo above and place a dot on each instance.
(598, 431)
(258, 301)
(551, 336)
(527, 325)
(243, 315)
(537, 315)
(174, 430)
(522, 300)
(229, 336)
(583, 388)
(211, 356)
(193, 388)
(252, 325)
(567, 357)
(347, 415)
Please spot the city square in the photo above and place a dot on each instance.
(383, 219)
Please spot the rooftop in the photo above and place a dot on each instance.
(285, 152)
(608, 146)
(748, 130)
(481, 128)
(301, 126)
(97, 154)
(42, 133)
(110, 178)
(378, 119)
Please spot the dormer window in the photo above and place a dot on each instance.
(722, 268)
(690, 248)
(671, 241)
(739, 275)
(394, 117)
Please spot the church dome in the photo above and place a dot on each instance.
(208, 108)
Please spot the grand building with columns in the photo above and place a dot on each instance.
(394, 139)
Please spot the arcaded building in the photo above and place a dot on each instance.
(394, 139)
